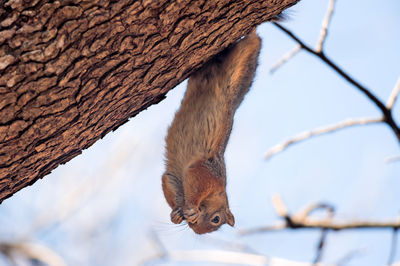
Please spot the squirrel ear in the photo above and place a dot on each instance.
(229, 218)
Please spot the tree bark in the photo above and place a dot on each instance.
(72, 71)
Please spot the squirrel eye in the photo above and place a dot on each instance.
(215, 220)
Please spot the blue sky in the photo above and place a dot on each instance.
(112, 192)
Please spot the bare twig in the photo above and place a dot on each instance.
(320, 246)
(393, 96)
(393, 246)
(388, 117)
(306, 212)
(325, 25)
(279, 206)
(285, 58)
(320, 131)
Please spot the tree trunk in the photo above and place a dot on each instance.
(72, 71)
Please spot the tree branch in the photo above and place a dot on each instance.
(286, 57)
(393, 96)
(70, 73)
(325, 26)
(388, 118)
(320, 247)
(393, 246)
(320, 131)
(299, 221)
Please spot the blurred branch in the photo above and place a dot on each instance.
(392, 159)
(320, 131)
(325, 26)
(218, 256)
(299, 221)
(31, 251)
(349, 256)
(229, 244)
(323, 34)
(393, 96)
(285, 58)
(214, 256)
(72, 202)
(320, 246)
(393, 246)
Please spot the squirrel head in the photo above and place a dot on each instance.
(213, 207)
(214, 212)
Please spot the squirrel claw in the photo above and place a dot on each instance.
(177, 216)
(191, 215)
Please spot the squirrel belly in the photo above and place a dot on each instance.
(194, 183)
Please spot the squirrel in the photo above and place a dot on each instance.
(194, 183)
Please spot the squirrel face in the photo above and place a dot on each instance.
(214, 212)
(210, 209)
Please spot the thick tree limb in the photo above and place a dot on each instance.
(72, 71)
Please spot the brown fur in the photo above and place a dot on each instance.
(195, 179)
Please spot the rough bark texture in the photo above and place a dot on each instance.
(72, 71)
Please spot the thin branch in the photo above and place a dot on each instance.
(325, 26)
(335, 226)
(320, 131)
(320, 246)
(393, 246)
(393, 96)
(306, 212)
(279, 206)
(286, 57)
(388, 118)
(299, 221)
(332, 65)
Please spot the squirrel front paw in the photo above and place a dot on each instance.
(191, 215)
(177, 216)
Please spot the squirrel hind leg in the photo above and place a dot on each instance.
(240, 65)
